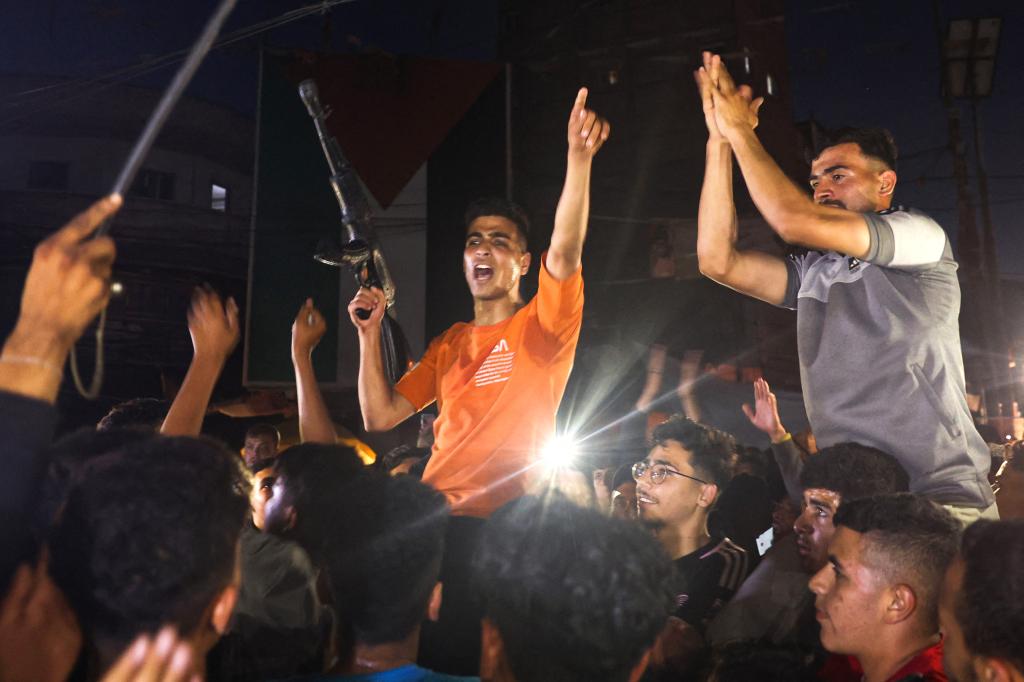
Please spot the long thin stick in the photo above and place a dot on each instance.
(170, 97)
(131, 167)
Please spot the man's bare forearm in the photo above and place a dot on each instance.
(786, 208)
(32, 362)
(185, 418)
(377, 398)
(315, 425)
(716, 215)
(756, 274)
(571, 217)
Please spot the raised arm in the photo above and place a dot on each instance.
(786, 207)
(67, 285)
(213, 326)
(765, 416)
(586, 133)
(315, 425)
(754, 273)
(383, 408)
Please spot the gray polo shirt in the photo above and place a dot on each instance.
(880, 357)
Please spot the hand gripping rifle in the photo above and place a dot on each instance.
(357, 247)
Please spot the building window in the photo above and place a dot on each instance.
(48, 175)
(218, 197)
(154, 184)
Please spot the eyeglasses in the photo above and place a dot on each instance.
(659, 472)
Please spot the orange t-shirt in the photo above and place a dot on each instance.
(497, 389)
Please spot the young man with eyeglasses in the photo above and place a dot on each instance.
(677, 484)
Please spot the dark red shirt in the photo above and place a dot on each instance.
(926, 665)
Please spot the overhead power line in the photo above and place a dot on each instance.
(35, 100)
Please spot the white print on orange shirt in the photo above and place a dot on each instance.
(497, 367)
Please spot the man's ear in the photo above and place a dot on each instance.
(524, 262)
(888, 182)
(992, 670)
(434, 605)
(223, 608)
(902, 604)
(292, 518)
(708, 493)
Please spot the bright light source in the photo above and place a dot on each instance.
(559, 453)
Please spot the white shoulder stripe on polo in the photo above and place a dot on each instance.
(918, 240)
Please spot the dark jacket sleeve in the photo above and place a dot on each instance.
(27, 426)
(787, 456)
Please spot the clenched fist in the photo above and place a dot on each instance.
(371, 299)
(307, 330)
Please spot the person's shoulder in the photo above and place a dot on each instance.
(546, 279)
(727, 557)
(907, 214)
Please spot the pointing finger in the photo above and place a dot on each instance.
(581, 99)
(86, 222)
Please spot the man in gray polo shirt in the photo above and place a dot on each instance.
(876, 295)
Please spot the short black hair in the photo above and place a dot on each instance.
(909, 539)
(314, 474)
(504, 208)
(712, 452)
(576, 595)
(263, 429)
(383, 555)
(876, 143)
(990, 604)
(397, 455)
(138, 413)
(854, 470)
(623, 474)
(419, 468)
(149, 536)
(1016, 459)
(67, 458)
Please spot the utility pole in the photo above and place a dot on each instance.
(968, 64)
(975, 326)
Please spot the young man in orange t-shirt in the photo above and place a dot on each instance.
(497, 380)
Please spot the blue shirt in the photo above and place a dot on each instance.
(406, 673)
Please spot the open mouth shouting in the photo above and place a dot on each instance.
(482, 273)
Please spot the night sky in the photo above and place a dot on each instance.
(877, 63)
(862, 63)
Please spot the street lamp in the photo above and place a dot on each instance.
(970, 52)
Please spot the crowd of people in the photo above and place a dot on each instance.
(143, 550)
